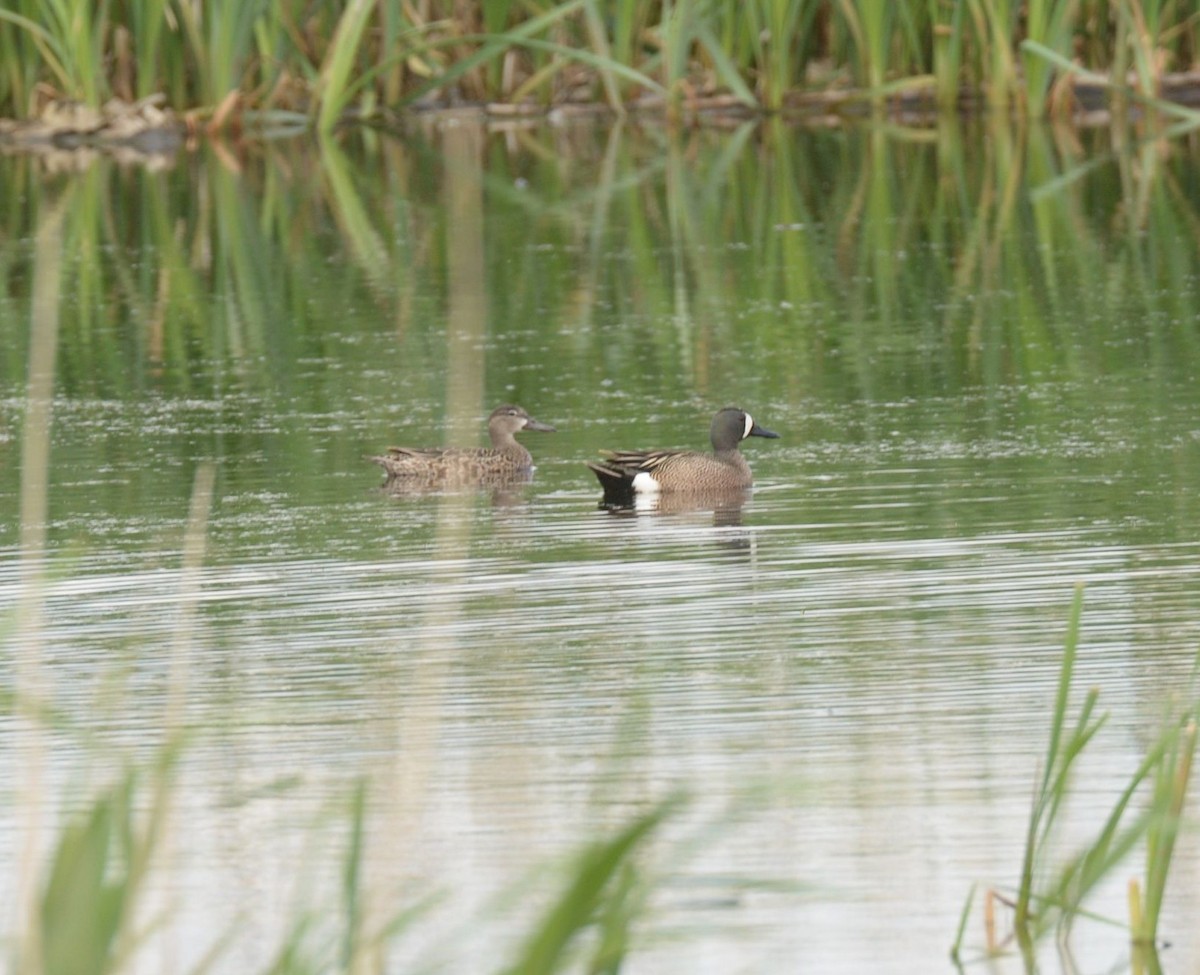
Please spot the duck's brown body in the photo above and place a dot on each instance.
(626, 473)
(506, 461)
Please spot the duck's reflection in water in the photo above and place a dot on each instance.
(505, 492)
(720, 509)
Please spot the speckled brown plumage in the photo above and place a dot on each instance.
(506, 461)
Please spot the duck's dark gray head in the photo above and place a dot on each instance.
(507, 420)
(731, 426)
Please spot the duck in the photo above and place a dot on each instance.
(505, 461)
(625, 474)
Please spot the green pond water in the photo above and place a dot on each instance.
(980, 348)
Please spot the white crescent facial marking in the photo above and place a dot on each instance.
(749, 426)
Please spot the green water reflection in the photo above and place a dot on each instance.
(766, 266)
(294, 306)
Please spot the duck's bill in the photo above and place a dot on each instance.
(757, 431)
(532, 424)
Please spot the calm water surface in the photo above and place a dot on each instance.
(981, 356)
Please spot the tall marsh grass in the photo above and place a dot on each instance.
(1052, 891)
(354, 56)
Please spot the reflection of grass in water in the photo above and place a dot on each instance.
(1028, 261)
(1051, 897)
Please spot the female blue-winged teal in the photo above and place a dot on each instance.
(625, 473)
(506, 461)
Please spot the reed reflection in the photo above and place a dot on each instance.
(818, 245)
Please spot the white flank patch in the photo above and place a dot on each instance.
(749, 426)
(643, 483)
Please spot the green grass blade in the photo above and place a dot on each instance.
(1044, 799)
(1172, 779)
(496, 44)
(727, 71)
(1166, 107)
(339, 62)
(352, 878)
(599, 39)
(1060, 61)
(83, 907)
(960, 933)
(586, 893)
(593, 60)
(47, 44)
(148, 18)
(1066, 672)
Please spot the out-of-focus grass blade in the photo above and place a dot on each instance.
(586, 894)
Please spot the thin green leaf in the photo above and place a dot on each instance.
(576, 908)
(339, 62)
(1166, 107)
(727, 71)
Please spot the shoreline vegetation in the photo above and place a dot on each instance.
(148, 73)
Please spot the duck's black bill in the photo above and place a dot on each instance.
(757, 431)
(533, 424)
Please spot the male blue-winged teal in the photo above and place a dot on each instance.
(506, 461)
(625, 473)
